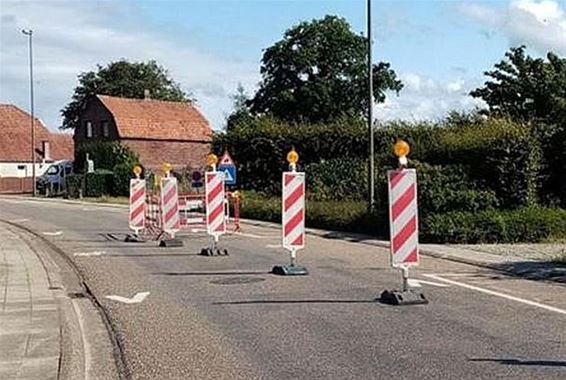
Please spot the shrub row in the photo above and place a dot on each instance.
(497, 155)
(530, 224)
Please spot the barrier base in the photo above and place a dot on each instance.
(130, 238)
(289, 270)
(171, 243)
(401, 298)
(213, 252)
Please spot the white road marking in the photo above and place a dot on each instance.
(19, 220)
(497, 294)
(417, 283)
(254, 236)
(56, 233)
(86, 254)
(197, 230)
(139, 297)
(273, 246)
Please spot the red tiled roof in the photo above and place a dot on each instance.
(157, 119)
(15, 137)
(62, 146)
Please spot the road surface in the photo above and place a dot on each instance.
(177, 314)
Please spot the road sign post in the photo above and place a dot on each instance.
(293, 217)
(404, 227)
(214, 203)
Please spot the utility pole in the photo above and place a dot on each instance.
(29, 33)
(370, 114)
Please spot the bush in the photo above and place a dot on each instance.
(122, 174)
(530, 224)
(74, 184)
(99, 183)
(105, 154)
(337, 179)
(340, 216)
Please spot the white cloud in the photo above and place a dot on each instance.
(429, 100)
(73, 37)
(540, 25)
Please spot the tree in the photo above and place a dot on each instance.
(318, 73)
(124, 79)
(241, 112)
(526, 88)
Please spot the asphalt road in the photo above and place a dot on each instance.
(227, 317)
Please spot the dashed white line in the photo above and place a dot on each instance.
(19, 220)
(139, 297)
(56, 233)
(417, 283)
(497, 294)
(86, 254)
(273, 246)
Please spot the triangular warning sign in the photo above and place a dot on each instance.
(226, 159)
(227, 176)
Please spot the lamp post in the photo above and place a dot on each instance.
(370, 113)
(29, 33)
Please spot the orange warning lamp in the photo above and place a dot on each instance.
(402, 150)
(211, 159)
(167, 168)
(137, 171)
(292, 157)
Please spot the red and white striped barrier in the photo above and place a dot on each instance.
(403, 217)
(137, 205)
(170, 206)
(214, 201)
(293, 211)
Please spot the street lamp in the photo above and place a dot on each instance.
(29, 33)
(370, 113)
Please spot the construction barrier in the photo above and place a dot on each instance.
(170, 206)
(137, 205)
(403, 217)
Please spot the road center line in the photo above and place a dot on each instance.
(497, 294)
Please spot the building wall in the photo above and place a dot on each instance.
(15, 185)
(153, 153)
(96, 113)
(21, 169)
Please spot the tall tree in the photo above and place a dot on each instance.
(526, 88)
(318, 73)
(124, 79)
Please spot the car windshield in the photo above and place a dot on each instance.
(53, 170)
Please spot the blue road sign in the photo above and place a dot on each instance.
(229, 174)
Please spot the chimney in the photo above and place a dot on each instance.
(46, 150)
(146, 95)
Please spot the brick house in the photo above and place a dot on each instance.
(158, 131)
(15, 149)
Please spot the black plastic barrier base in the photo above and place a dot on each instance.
(133, 239)
(171, 243)
(213, 252)
(289, 270)
(400, 298)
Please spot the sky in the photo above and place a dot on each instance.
(439, 49)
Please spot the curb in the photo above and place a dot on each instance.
(67, 201)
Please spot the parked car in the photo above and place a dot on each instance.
(52, 181)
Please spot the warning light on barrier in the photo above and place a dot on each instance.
(167, 168)
(137, 171)
(211, 159)
(402, 150)
(293, 158)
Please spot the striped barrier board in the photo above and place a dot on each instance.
(170, 206)
(403, 217)
(137, 205)
(214, 202)
(293, 212)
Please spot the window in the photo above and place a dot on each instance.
(53, 170)
(105, 128)
(88, 129)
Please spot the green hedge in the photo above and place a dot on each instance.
(99, 183)
(74, 184)
(530, 224)
(339, 216)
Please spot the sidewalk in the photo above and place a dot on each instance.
(29, 315)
